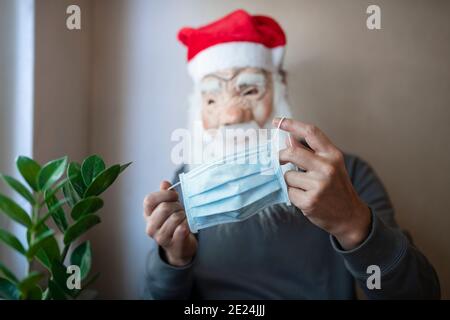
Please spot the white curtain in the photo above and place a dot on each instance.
(16, 100)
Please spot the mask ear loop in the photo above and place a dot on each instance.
(289, 135)
(278, 130)
(173, 186)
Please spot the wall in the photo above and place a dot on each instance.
(62, 82)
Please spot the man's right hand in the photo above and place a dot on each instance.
(167, 225)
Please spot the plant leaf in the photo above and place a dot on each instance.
(29, 169)
(54, 190)
(76, 178)
(123, 167)
(70, 194)
(91, 168)
(8, 290)
(19, 188)
(8, 274)
(59, 216)
(51, 172)
(49, 251)
(37, 243)
(29, 283)
(42, 257)
(35, 293)
(44, 218)
(82, 257)
(55, 291)
(60, 276)
(9, 239)
(86, 206)
(103, 181)
(14, 211)
(80, 227)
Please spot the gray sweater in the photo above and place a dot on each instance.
(279, 254)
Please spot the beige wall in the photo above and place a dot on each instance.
(383, 95)
(62, 82)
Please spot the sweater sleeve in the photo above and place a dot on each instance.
(405, 272)
(164, 281)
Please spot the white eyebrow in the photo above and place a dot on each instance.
(210, 85)
(254, 79)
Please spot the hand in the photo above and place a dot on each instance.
(167, 225)
(324, 193)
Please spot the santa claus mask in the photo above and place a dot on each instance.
(235, 63)
(236, 96)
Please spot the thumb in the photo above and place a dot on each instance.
(165, 185)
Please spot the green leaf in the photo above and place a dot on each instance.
(60, 276)
(82, 257)
(8, 274)
(103, 181)
(42, 257)
(44, 218)
(86, 206)
(123, 167)
(80, 227)
(56, 292)
(19, 187)
(14, 211)
(51, 172)
(59, 216)
(70, 194)
(35, 293)
(91, 168)
(29, 283)
(9, 239)
(29, 169)
(37, 243)
(76, 178)
(49, 251)
(8, 290)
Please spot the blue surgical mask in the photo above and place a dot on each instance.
(233, 188)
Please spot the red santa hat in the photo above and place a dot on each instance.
(237, 40)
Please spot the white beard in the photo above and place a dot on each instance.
(207, 151)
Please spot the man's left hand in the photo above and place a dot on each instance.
(324, 192)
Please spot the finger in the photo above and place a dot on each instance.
(161, 213)
(301, 157)
(154, 199)
(315, 138)
(297, 197)
(181, 232)
(172, 222)
(300, 180)
(165, 185)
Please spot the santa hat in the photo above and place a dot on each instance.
(237, 40)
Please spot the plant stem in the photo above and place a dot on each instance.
(34, 219)
(64, 253)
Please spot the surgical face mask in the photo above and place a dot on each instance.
(235, 187)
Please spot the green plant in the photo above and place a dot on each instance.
(53, 191)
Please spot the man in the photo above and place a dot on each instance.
(340, 225)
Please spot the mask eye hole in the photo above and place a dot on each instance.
(252, 91)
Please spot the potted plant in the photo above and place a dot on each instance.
(64, 201)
